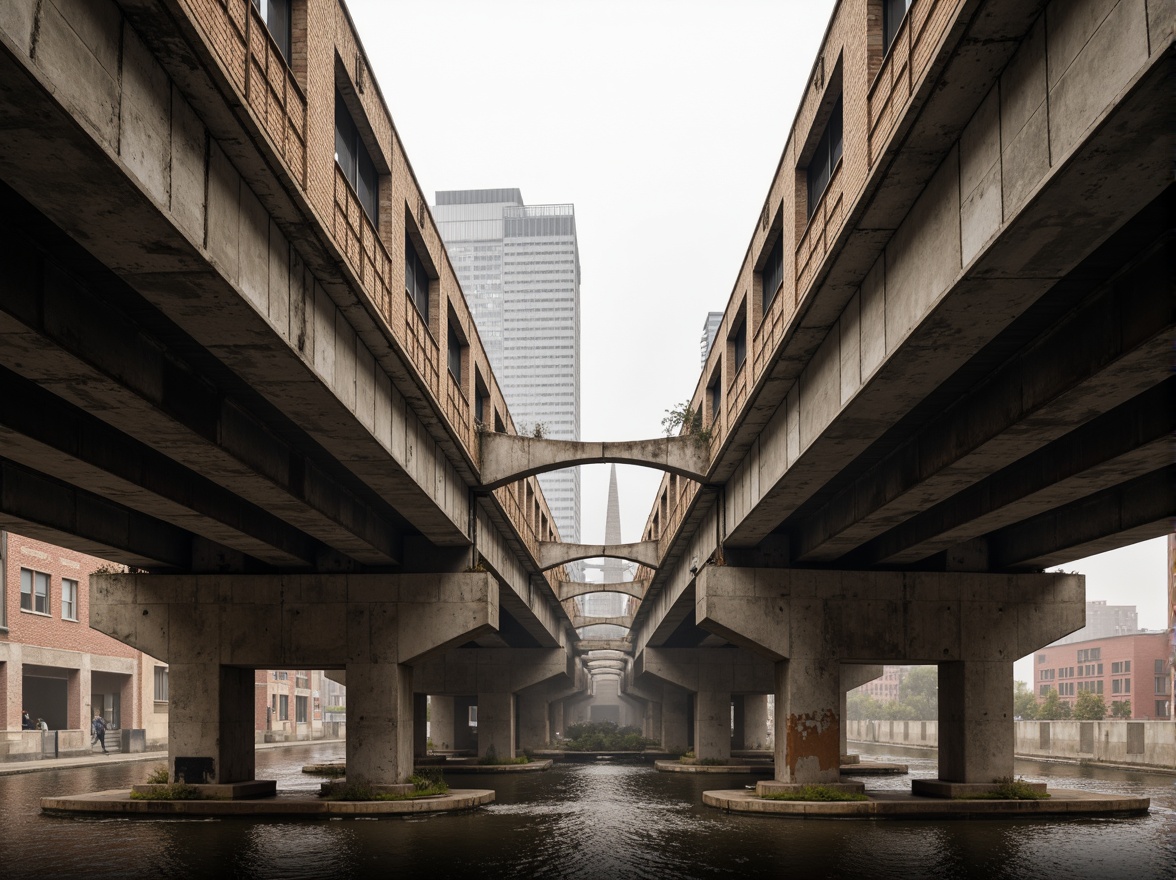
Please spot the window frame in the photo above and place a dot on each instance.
(769, 290)
(32, 593)
(889, 33)
(160, 676)
(283, 707)
(824, 152)
(412, 259)
(358, 160)
(73, 603)
(284, 42)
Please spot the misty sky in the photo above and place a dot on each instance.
(662, 121)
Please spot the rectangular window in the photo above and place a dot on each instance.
(773, 273)
(69, 599)
(1040, 659)
(34, 591)
(300, 704)
(1161, 708)
(454, 346)
(1161, 684)
(825, 159)
(1159, 666)
(1098, 687)
(353, 157)
(161, 684)
(715, 392)
(302, 679)
(893, 12)
(283, 708)
(416, 280)
(473, 719)
(276, 15)
(1126, 685)
(739, 343)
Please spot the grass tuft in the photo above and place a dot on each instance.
(176, 791)
(1007, 789)
(815, 793)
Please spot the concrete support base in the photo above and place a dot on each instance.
(496, 725)
(772, 786)
(255, 788)
(326, 788)
(940, 789)
(712, 726)
(976, 734)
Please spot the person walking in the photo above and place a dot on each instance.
(98, 727)
(26, 723)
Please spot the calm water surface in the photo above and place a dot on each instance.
(582, 821)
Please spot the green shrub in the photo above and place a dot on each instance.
(159, 775)
(176, 791)
(362, 790)
(815, 793)
(604, 736)
(1007, 789)
(429, 780)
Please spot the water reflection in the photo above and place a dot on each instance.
(582, 822)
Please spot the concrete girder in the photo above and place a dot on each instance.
(1096, 455)
(491, 670)
(556, 553)
(1041, 395)
(584, 646)
(507, 457)
(612, 665)
(731, 670)
(883, 617)
(605, 655)
(579, 621)
(572, 589)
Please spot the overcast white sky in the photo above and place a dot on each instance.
(662, 121)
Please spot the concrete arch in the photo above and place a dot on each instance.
(572, 589)
(555, 553)
(507, 457)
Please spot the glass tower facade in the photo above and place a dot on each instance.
(519, 267)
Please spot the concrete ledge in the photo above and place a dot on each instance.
(771, 786)
(325, 788)
(937, 788)
(530, 767)
(874, 768)
(120, 802)
(679, 767)
(903, 805)
(335, 769)
(254, 788)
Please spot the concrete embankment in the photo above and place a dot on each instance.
(1144, 745)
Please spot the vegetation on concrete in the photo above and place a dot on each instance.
(918, 700)
(815, 793)
(427, 783)
(491, 759)
(604, 736)
(1007, 789)
(175, 791)
(683, 419)
(159, 775)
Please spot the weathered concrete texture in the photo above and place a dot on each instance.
(507, 458)
(900, 805)
(441, 721)
(215, 629)
(571, 589)
(556, 553)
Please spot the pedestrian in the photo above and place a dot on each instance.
(42, 725)
(26, 723)
(98, 728)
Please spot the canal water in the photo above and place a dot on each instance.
(584, 821)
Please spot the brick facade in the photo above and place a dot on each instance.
(1100, 665)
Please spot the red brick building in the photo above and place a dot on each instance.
(58, 668)
(1135, 668)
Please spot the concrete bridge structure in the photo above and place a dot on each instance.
(237, 360)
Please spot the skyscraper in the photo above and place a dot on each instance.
(519, 267)
(709, 330)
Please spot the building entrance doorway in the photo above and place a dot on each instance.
(46, 695)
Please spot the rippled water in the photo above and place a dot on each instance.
(583, 821)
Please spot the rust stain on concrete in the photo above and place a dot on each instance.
(814, 735)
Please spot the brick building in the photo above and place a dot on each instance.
(55, 666)
(1135, 668)
(293, 704)
(885, 688)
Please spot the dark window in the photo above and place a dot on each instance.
(283, 708)
(773, 272)
(715, 393)
(300, 705)
(825, 158)
(355, 160)
(739, 341)
(893, 12)
(455, 346)
(276, 14)
(416, 280)
(481, 398)
(161, 684)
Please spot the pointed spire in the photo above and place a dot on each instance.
(614, 569)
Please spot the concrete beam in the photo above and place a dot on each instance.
(555, 553)
(584, 646)
(579, 621)
(507, 457)
(886, 617)
(491, 670)
(732, 670)
(572, 589)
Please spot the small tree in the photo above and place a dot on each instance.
(1024, 702)
(1053, 709)
(919, 692)
(1121, 709)
(1090, 707)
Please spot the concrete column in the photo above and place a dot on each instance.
(441, 721)
(533, 733)
(653, 720)
(738, 733)
(420, 725)
(379, 722)
(674, 734)
(808, 735)
(12, 686)
(712, 725)
(755, 721)
(496, 723)
(976, 735)
(210, 723)
(555, 712)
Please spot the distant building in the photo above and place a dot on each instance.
(885, 688)
(519, 268)
(1104, 621)
(56, 666)
(294, 704)
(1133, 667)
(709, 331)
